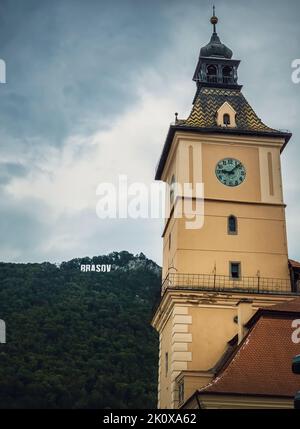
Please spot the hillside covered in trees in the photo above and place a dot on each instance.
(79, 339)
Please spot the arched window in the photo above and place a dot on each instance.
(212, 70)
(226, 119)
(172, 190)
(227, 74)
(232, 224)
(211, 73)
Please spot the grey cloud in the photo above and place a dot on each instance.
(9, 170)
(73, 67)
(88, 235)
(23, 228)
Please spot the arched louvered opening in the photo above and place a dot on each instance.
(212, 73)
(227, 73)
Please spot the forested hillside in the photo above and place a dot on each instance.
(79, 339)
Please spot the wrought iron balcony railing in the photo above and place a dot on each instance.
(219, 283)
(212, 79)
(218, 79)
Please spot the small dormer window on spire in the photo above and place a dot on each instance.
(226, 116)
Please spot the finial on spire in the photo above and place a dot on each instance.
(214, 19)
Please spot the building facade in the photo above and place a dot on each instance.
(217, 275)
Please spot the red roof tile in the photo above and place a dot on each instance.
(262, 362)
(292, 306)
(294, 264)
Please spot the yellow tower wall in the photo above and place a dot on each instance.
(195, 326)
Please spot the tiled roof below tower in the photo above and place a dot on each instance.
(209, 100)
(262, 362)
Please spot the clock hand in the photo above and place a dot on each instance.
(229, 171)
(235, 167)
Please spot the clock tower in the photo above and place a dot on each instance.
(216, 276)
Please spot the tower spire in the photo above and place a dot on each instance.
(214, 19)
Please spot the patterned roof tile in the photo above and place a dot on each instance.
(209, 100)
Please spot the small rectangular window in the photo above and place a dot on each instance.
(181, 392)
(235, 270)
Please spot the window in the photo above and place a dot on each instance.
(166, 363)
(211, 73)
(235, 270)
(180, 392)
(232, 225)
(226, 116)
(227, 71)
(212, 70)
(172, 190)
(227, 75)
(226, 119)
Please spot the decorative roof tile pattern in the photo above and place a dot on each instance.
(209, 100)
(262, 363)
(203, 119)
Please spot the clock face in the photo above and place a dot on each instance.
(230, 172)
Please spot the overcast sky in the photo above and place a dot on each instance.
(92, 87)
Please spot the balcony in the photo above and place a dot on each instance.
(212, 79)
(219, 283)
(219, 79)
